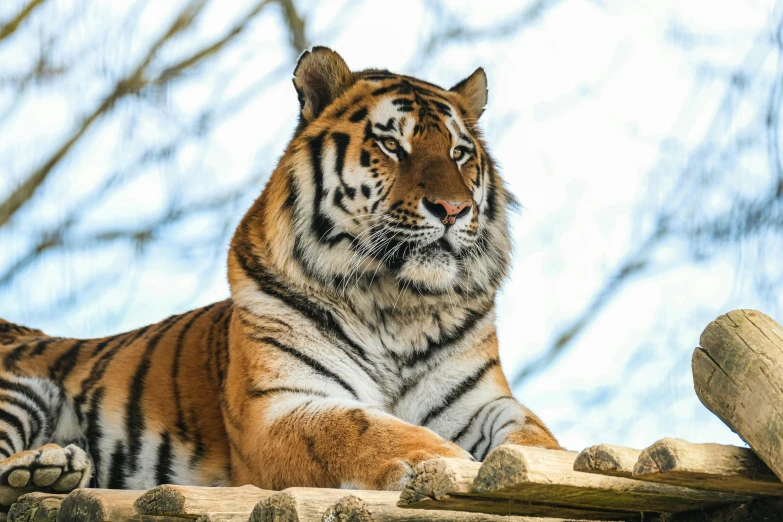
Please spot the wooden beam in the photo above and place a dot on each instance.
(542, 482)
(605, 459)
(36, 507)
(194, 501)
(715, 467)
(355, 508)
(738, 375)
(99, 505)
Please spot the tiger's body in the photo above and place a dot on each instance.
(360, 336)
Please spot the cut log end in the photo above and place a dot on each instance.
(36, 507)
(436, 479)
(505, 466)
(605, 459)
(277, 508)
(82, 505)
(349, 509)
(160, 500)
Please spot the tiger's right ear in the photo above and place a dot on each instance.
(320, 77)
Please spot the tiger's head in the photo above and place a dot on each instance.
(386, 181)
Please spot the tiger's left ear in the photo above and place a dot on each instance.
(320, 77)
(473, 90)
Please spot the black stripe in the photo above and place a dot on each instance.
(34, 413)
(117, 467)
(257, 393)
(180, 423)
(341, 141)
(460, 390)
(15, 423)
(475, 446)
(165, 459)
(364, 158)
(222, 354)
(13, 357)
(94, 431)
(505, 425)
(320, 224)
(102, 364)
(454, 337)
(135, 422)
(64, 364)
(5, 453)
(489, 440)
(309, 361)
(5, 438)
(199, 449)
(25, 391)
(40, 348)
(272, 286)
(461, 433)
(103, 344)
(358, 115)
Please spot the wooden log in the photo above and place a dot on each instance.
(36, 507)
(354, 508)
(297, 505)
(547, 477)
(715, 467)
(448, 484)
(605, 459)
(194, 501)
(738, 375)
(98, 505)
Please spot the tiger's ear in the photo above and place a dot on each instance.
(320, 77)
(473, 90)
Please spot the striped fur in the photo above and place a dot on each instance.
(359, 339)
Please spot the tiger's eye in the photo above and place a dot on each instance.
(458, 153)
(391, 144)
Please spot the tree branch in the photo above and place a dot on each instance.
(131, 83)
(13, 24)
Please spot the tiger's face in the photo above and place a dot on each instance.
(392, 179)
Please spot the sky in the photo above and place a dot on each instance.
(579, 106)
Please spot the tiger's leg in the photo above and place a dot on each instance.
(303, 439)
(30, 414)
(467, 400)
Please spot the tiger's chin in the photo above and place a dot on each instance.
(431, 269)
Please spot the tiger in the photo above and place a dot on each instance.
(359, 339)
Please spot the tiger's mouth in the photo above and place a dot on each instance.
(396, 253)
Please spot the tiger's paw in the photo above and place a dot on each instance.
(50, 468)
(395, 474)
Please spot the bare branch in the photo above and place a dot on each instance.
(212, 49)
(13, 24)
(131, 83)
(296, 25)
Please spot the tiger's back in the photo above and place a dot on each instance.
(144, 404)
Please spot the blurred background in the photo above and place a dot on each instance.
(642, 138)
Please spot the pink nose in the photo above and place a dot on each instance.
(446, 211)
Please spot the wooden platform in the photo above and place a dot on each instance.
(741, 355)
(672, 480)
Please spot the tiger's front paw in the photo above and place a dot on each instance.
(48, 468)
(395, 473)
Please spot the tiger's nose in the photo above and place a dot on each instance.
(447, 212)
